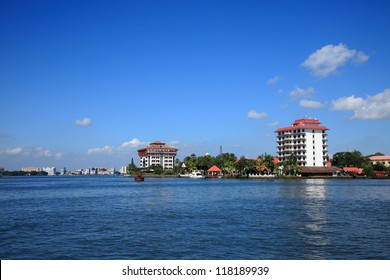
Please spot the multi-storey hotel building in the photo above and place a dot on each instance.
(306, 139)
(157, 153)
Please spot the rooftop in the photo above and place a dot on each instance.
(214, 168)
(380, 158)
(158, 145)
(353, 170)
(319, 169)
(304, 124)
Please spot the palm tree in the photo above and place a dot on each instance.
(291, 165)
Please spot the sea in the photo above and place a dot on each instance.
(116, 218)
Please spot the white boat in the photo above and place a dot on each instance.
(196, 175)
(193, 174)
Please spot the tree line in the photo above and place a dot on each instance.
(232, 166)
(357, 159)
(23, 173)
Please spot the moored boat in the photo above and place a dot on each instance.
(194, 175)
(139, 177)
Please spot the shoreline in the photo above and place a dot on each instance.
(162, 176)
(258, 178)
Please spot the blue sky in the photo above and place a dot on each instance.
(87, 83)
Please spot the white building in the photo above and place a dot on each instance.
(98, 171)
(385, 160)
(157, 153)
(51, 171)
(105, 171)
(306, 139)
(123, 170)
(31, 169)
(89, 171)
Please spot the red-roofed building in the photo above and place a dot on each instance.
(214, 172)
(306, 139)
(353, 170)
(157, 153)
(385, 160)
(381, 174)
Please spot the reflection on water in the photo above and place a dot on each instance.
(316, 211)
(315, 188)
(309, 197)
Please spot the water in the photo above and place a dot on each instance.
(117, 218)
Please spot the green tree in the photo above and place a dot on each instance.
(132, 168)
(350, 159)
(379, 167)
(158, 169)
(268, 162)
(246, 166)
(376, 154)
(177, 167)
(228, 163)
(205, 162)
(241, 165)
(291, 165)
(190, 162)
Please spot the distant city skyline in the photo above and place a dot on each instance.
(87, 84)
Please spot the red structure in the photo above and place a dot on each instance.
(139, 177)
(214, 172)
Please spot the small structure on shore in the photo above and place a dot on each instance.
(316, 171)
(354, 171)
(378, 174)
(214, 172)
(139, 177)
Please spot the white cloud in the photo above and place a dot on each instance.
(255, 115)
(310, 104)
(302, 93)
(374, 107)
(84, 122)
(105, 150)
(361, 57)
(349, 103)
(58, 155)
(134, 143)
(326, 60)
(41, 152)
(15, 151)
(37, 152)
(274, 80)
(275, 123)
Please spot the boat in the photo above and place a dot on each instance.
(139, 177)
(194, 175)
